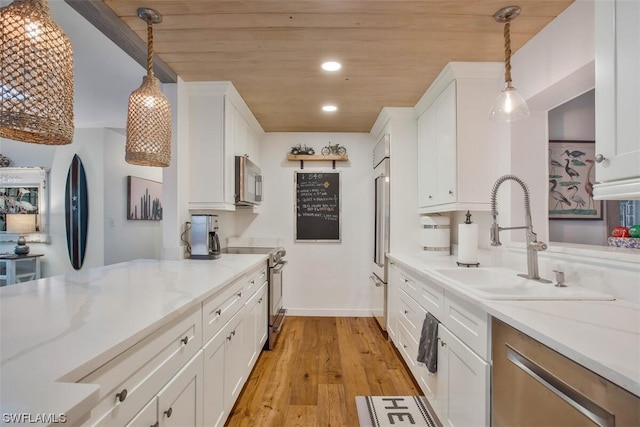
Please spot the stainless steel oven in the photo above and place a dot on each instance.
(276, 264)
(277, 312)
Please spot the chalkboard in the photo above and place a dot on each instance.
(317, 207)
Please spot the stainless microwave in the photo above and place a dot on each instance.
(248, 182)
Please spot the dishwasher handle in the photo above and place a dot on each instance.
(578, 401)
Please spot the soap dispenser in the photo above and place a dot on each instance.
(468, 243)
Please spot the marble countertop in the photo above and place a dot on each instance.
(56, 330)
(603, 336)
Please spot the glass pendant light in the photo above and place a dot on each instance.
(36, 75)
(509, 106)
(149, 115)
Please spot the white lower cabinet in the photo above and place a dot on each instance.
(221, 373)
(463, 383)
(459, 391)
(179, 403)
(148, 416)
(171, 379)
(256, 319)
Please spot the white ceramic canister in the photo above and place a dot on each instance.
(435, 236)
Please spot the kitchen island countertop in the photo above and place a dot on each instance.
(603, 336)
(56, 330)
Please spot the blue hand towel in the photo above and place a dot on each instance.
(428, 347)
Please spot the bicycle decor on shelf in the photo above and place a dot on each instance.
(334, 149)
(302, 149)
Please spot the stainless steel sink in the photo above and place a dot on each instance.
(504, 284)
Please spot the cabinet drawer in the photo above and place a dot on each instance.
(470, 324)
(131, 379)
(429, 295)
(255, 279)
(218, 309)
(408, 347)
(411, 315)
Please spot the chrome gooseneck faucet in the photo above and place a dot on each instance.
(533, 246)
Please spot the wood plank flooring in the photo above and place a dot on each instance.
(316, 369)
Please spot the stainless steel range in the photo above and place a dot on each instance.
(276, 264)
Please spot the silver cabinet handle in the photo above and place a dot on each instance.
(578, 401)
(600, 158)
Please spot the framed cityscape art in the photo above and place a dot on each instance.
(571, 178)
(144, 199)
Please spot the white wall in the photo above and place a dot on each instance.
(102, 155)
(321, 278)
(125, 239)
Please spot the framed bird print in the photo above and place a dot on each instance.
(571, 178)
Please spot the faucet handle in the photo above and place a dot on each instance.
(495, 235)
(560, 279)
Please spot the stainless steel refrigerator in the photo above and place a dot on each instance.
(378, 278)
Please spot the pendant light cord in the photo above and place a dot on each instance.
(150, 47)
(507, 53)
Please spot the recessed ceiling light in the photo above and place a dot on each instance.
(331, 66)
(329, 108)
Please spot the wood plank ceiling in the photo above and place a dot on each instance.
(272, 50)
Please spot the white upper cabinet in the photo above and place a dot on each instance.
(457, 143)
(221, 126)
(617, 99)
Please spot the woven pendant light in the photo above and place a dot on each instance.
(149, 116)
(36, 75)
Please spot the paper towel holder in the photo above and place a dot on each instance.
(464, 264)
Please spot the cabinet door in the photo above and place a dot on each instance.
(256, 326)
(427, 159)
(446, 145)
(234, 362)
(148, 416)
(180, 401)
(437, 150)
(618, 94)
(463, 383)
(215, 400)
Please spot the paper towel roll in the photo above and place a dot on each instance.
(468, 243)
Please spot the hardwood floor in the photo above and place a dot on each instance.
(317, 368)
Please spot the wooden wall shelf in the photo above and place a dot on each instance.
(317, 158)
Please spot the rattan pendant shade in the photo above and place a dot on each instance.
(149, 115)
(36, 75)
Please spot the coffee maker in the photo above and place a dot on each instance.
(205, 243)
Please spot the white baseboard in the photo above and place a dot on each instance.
(329, 312)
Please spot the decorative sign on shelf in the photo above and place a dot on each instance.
(317, 206)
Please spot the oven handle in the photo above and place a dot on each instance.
(279, 266)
